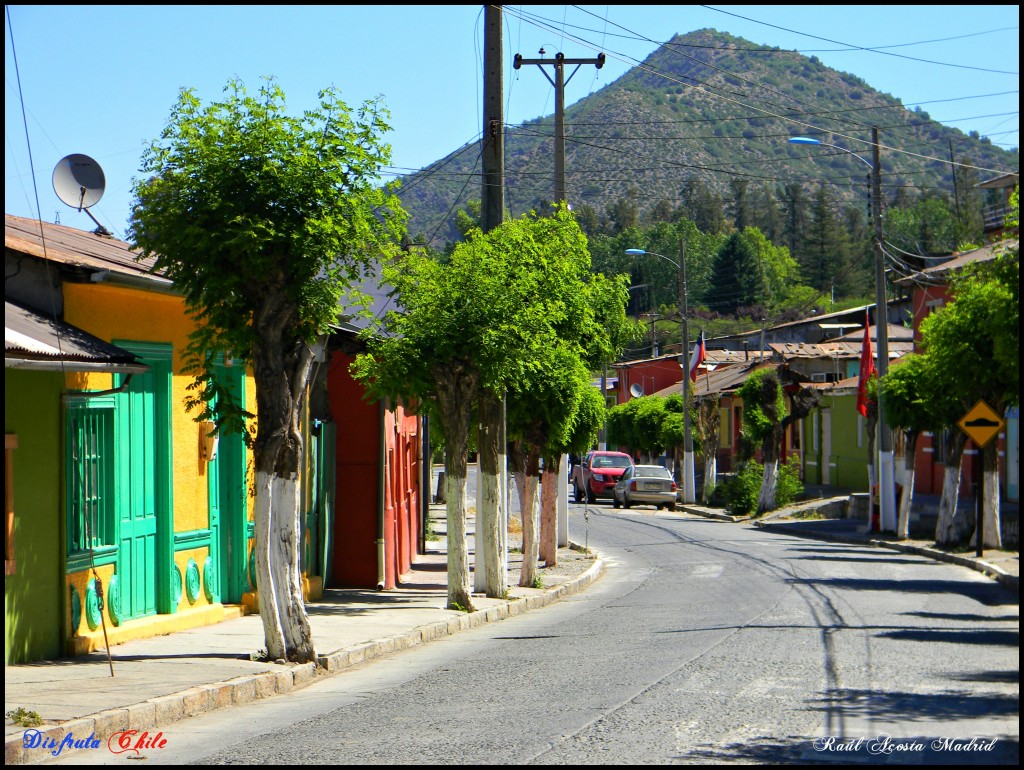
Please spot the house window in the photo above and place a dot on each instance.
(90, 481)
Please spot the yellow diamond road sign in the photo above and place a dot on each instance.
(981, 424)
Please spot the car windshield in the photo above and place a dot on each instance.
(611, 461)
(652, 471)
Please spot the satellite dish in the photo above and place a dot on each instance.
(636, 390)
(78, 181)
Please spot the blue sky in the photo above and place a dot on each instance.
(101, 80)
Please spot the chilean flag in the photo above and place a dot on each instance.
(867, 369)
(697, 357)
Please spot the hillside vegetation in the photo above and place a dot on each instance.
(708, 111)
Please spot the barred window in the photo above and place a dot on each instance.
(90, 483)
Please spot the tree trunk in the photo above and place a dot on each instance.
(456, 391)
(281, 368)
(529, 506)
(990, 512)
(907, 497)
(769, 483)
(490, 576)
(710, 435)
(548, 548)
(710, 477)
(949, 530)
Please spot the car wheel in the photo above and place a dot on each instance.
(578, 493)
(591, 497)
(671, 506)
(615, 502)
(625, 502)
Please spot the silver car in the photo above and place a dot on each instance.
(645, 484)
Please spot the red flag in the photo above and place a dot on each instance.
(697, 358)
(867, 369)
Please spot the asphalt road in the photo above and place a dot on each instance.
(705, 642)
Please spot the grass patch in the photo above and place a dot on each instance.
(24, 718)
(808, 513)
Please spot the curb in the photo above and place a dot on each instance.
(195, 701)
(1012, 582)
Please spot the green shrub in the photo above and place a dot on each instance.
(742, 490)
(788, 488)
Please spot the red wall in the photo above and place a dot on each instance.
(652, 375)
(358, 483)
(357, 473)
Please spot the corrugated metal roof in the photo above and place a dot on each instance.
(32, 340)
(74, 247)
(722, 380)
(834, 350)
(958, 261)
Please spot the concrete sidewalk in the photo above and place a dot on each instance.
(164, 679)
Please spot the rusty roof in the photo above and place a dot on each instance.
(69, 246)
(723, 379)
(834, 350)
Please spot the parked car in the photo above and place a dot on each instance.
(650, 484)
(596, 475)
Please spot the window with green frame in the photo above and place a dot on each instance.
(91, 522)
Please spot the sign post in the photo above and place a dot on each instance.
(981, 424)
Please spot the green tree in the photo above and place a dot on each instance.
(825, 258)
(914, 402)
(485, 320)
(263, 220)
(749, 271)
(795, 208)
(764, 406)
(927, 228)
(979, 331)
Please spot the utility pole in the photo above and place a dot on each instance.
(492, 194)
(886, 477)
(689, 486)
(559, 83)
(491, 557)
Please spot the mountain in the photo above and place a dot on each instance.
(711, 107)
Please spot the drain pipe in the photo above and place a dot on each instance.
(381, 490)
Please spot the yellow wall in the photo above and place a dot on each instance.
(116, 313)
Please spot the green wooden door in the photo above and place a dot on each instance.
(137, 520)
(229, 531)
(145, 524)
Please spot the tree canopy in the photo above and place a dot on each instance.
(263, 221)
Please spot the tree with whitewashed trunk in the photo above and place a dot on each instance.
(914, 404)
(972, 344)
(466, 326)
(264, 222)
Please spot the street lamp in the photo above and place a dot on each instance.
(886, 478)
(689, 487)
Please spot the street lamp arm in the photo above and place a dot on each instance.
(641, 252)
(811, 140)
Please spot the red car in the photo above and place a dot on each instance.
(597, 474)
